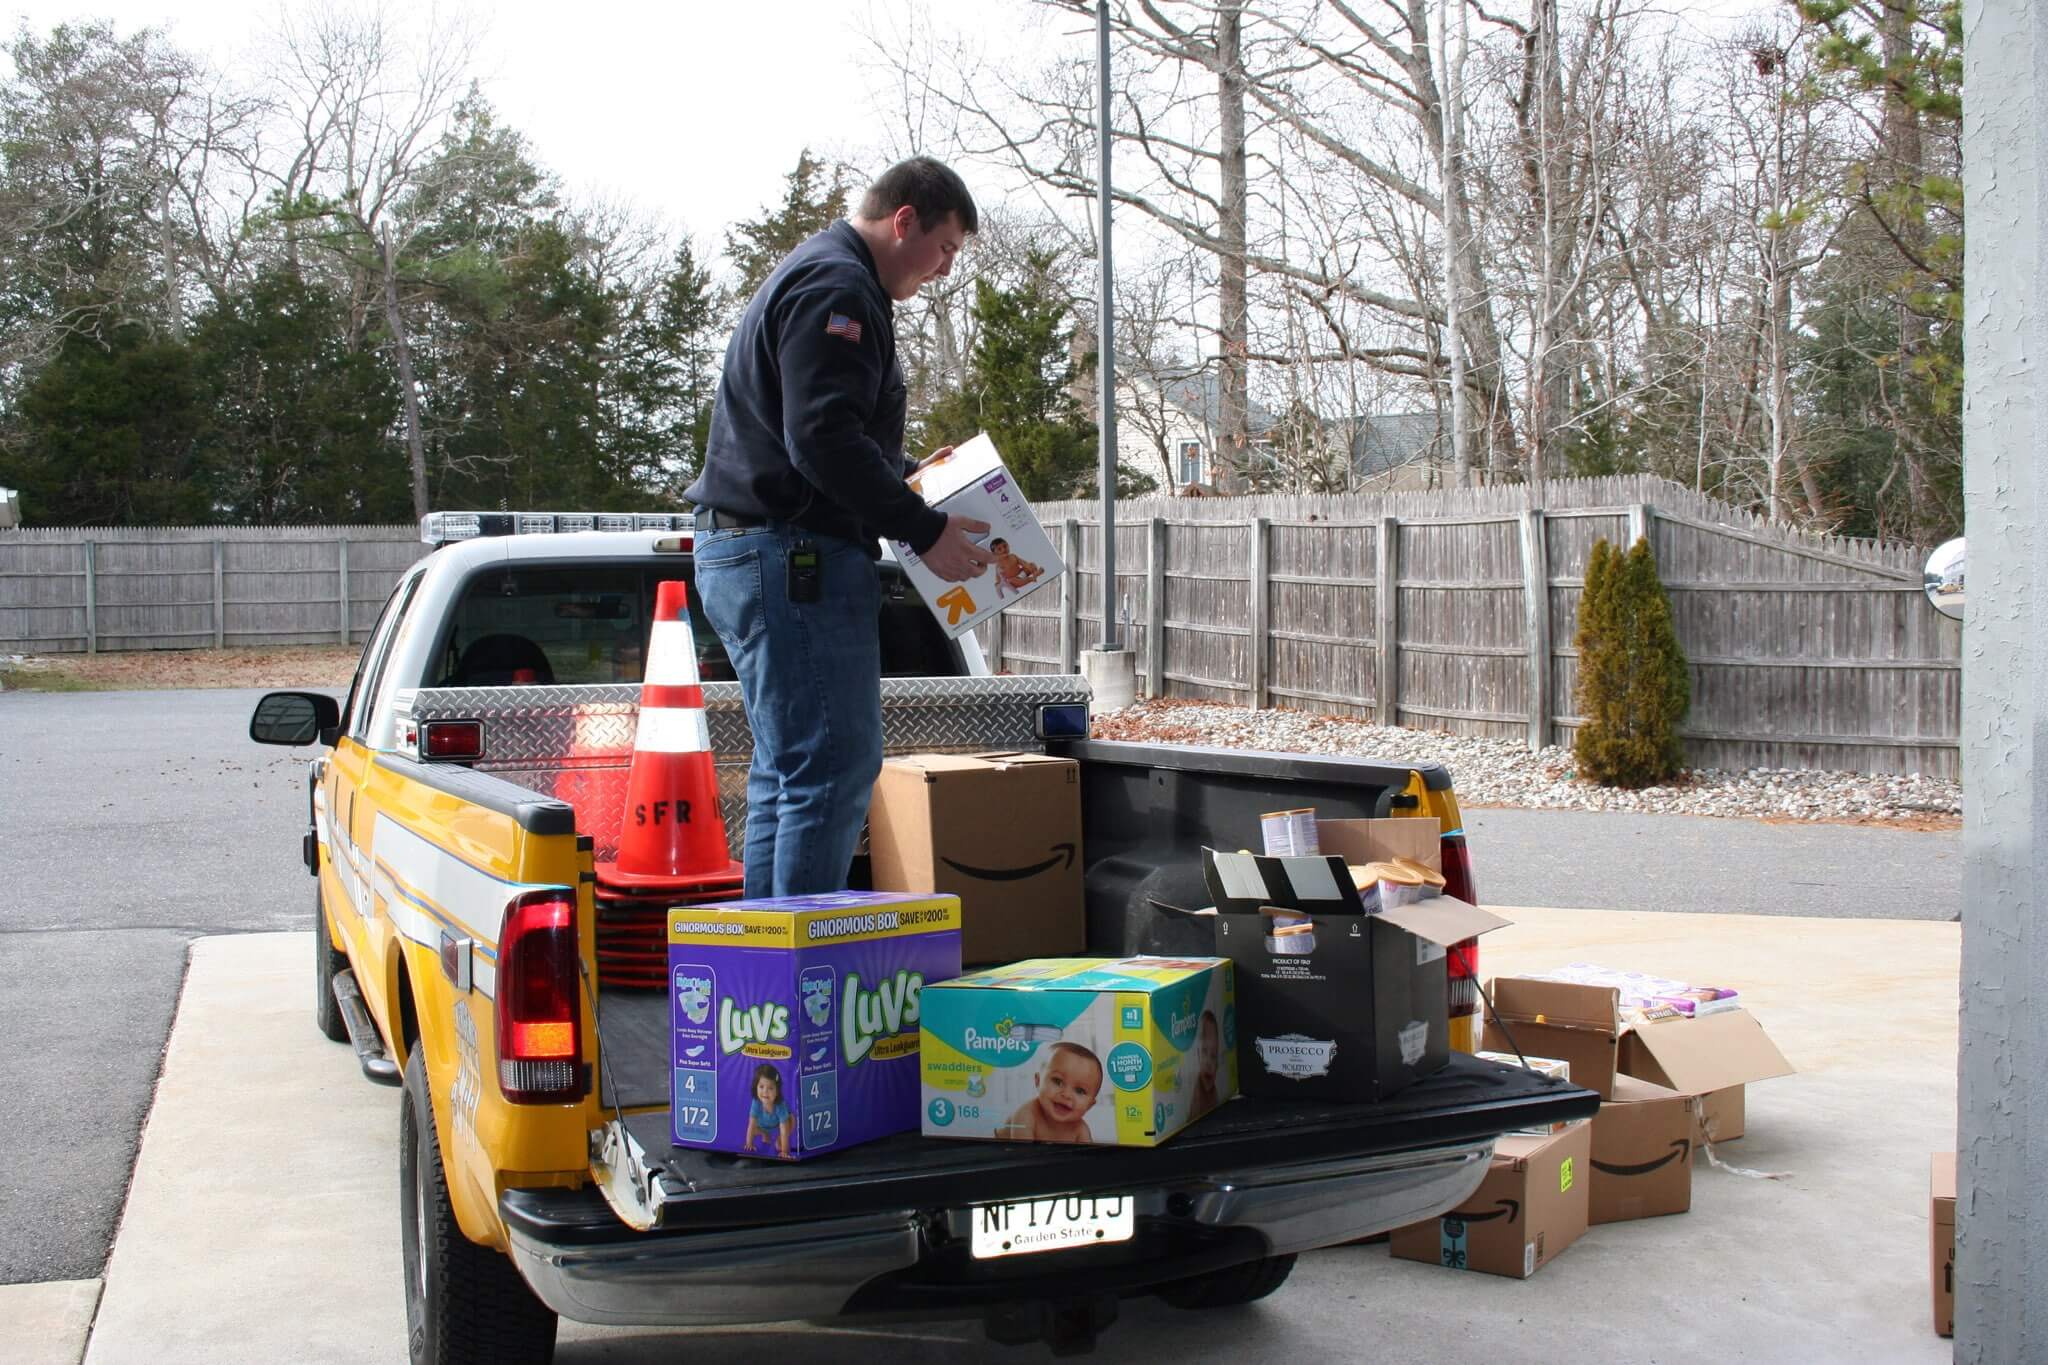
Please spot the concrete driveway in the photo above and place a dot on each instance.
(262, 1221)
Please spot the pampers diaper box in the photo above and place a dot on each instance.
(1119, 1051)
(795, 1020)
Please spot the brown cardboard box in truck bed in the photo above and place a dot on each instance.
(1708, 1056)
(1941, 1225)
(1000, 831)
(1642, 1152)
(1531, 1205)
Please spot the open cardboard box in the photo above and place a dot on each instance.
(1355, 1008)
(1712, 1057)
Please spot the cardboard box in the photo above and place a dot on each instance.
(1531, 1206)
(1584, 1025)
(1120, 1051)
(1941, 1224)
(1712, 1056)
(795, 1020)
(1553, 1067)
(1000, 831)
(1355, 1009)
(1643, 1140)
(1579, 1024)
(972, 482)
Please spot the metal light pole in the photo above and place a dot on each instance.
(1105, 330)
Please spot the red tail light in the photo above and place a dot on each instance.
(1461, 964)
(540, 1024)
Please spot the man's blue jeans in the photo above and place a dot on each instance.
(811, 676)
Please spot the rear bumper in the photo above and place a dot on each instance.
(589, 1267)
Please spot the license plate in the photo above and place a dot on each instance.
(1056, 1224)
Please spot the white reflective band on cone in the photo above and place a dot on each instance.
(668, 730)
(671, 655)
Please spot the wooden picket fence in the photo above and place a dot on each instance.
(1806, 651)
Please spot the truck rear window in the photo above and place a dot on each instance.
(561, 624)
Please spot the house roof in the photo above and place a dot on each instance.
(1200, 395)
(1383, 441)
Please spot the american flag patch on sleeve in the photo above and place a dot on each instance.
(840, 325)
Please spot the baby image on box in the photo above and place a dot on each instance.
(769, 1117)
(1012, 571)
(1068, 1082)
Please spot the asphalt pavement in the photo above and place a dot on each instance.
(132, 823)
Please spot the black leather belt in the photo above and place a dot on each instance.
(711, 519)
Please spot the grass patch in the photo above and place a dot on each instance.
(47, 680)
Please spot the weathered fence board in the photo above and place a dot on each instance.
(66, 589)
(1433, 609)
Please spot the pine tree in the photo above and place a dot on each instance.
(1634, 686)
(813, 201)
(1020, 388)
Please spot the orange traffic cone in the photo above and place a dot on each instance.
(673, 835)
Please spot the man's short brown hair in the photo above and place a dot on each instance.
(931, 187)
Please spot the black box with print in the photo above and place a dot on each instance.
(1349, 1005)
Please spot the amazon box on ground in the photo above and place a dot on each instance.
(1941, 1226)
(1002, 832)
(1531, 1206)
(1642, 1152)
(973, 483)
(1713, 1056)
(1335, 1003)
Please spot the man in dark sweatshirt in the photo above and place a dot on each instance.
(804, 470)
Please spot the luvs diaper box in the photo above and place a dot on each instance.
(1117, 1051)
(795, 1021)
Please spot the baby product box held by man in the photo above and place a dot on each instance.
(803, 472)
(1120, 1052)
(795, 1022)
(973, 482)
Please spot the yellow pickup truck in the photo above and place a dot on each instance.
(461, 945)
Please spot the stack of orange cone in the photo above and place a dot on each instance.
(672, 841)
(674, 833)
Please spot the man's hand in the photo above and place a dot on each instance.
(955, 556)
(928, 461)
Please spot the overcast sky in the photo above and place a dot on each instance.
(693, 110)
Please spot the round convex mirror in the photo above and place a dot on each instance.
(1943, 579)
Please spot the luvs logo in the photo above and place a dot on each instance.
(757, 1024)
(884, 1011)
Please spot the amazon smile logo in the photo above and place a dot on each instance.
(1060, 853)
(1510, 1209)
(1680, 1149)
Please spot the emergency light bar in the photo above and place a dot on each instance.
(440, 528)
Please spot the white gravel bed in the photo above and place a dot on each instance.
(1503, 772)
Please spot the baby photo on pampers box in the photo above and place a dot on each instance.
(1121, 1053)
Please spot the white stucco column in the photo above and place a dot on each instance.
(2002, 1208)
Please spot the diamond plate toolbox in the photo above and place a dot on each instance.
(552, 739)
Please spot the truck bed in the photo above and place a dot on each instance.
(1468, 1100)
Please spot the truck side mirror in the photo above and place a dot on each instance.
(296, 718)
(1943, 579)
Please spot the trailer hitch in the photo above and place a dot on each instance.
(1068, 1327)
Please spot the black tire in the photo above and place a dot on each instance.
(1231, 1286)
(464, 1304)
(327, 960)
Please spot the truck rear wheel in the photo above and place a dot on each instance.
(327, 960)
(464, 1304)
(1231, 1286)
